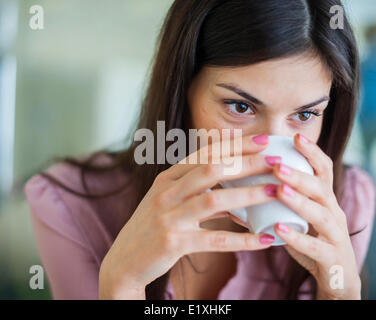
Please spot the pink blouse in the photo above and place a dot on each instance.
(73, 234)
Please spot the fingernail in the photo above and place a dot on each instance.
(303, 138)
(271, 190)
(261, 139)
(287, 190)
(284, 170)
(273, 160)
(282, 227)
(266, 239)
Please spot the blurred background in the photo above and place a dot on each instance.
(74, 86)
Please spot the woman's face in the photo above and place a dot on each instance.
(275, 97)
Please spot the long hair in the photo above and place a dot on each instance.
(198, 33)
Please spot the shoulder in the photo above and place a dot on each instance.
(358, 185)
(71, 176)
(95, 220)
(357, 197)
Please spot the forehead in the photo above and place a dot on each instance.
(297, 79)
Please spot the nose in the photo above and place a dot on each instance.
(276, 127)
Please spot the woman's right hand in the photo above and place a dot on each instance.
(166, 224)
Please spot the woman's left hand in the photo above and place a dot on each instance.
(326, 252)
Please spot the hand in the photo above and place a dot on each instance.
(166, 224)
(328, 243)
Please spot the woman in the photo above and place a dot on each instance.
(109, 228)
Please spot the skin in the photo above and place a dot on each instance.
(169, 221)
(283, 85)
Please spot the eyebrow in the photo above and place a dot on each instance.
(253, 99)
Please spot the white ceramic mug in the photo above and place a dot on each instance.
(261, 218)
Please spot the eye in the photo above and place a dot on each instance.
(238, 107)
(307, 115)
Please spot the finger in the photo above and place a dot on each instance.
(308, 185)
(218, 215)
(318, 159)
(209, 241)
(312, 247)
(238, 221)
(218, 150)
(319, 216)
(206, 204)
(226, 214)
(206, 176)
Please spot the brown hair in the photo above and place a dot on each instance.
(198, 33)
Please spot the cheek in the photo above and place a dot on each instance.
(313, 131)
(205, 116)
(320, 128)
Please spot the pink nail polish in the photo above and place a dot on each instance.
(284, 170)
(266, 239)
(261, 139)
(282, 227)
(271, 190)
(288, 190)
(303, 138)
(271, 160)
